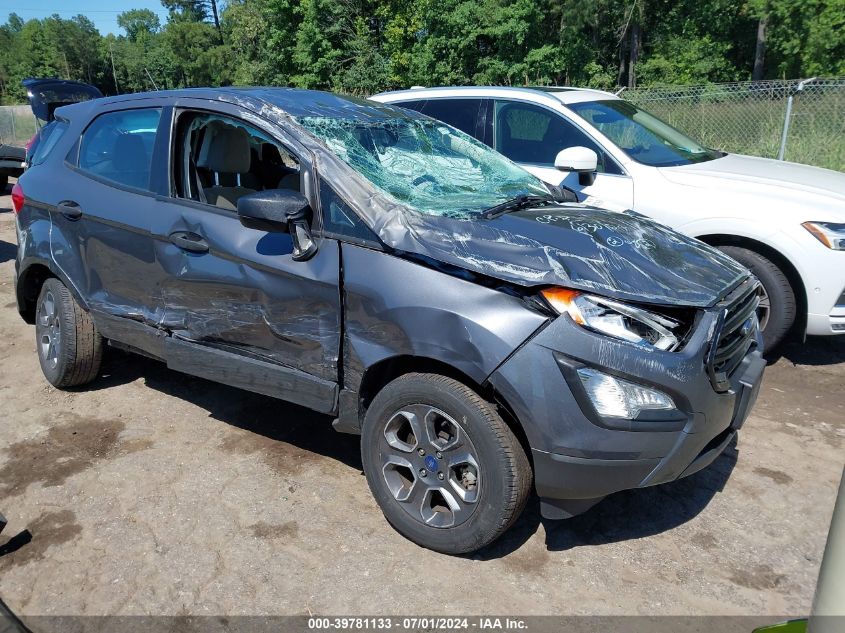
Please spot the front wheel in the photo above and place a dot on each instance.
(777, 308)
(446, 470)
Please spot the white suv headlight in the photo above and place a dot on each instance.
(617, 319)
(831, 234)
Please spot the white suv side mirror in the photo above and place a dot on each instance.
(577, 159)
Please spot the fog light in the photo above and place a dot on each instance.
(617, 398)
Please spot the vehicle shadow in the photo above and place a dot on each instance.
(816, 351)
(623, 516)
(274, 419)
(8, 251)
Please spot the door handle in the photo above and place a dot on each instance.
(188, 241)
(70, 209)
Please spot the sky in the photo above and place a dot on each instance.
(102, 14)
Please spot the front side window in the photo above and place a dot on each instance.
(339, 219)
(424, 164)
(118, 146)
(218, 159)
(642, 136)
(529, 134)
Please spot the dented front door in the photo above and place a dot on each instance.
(239, 290)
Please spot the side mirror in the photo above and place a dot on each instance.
(280, 211)
(579, 159)
(271, 210)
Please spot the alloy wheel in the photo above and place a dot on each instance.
(49, 330)
(764, 307)
(430, 466)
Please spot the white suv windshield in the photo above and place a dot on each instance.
(642, 136)
(425, 164)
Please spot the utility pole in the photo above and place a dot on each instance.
(113, 71)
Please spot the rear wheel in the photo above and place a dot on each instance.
(446, 470)
(69, 346)
(777, 308)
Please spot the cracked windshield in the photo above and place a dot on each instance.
(425, 165)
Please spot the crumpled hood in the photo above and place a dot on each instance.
(765, 178)
(620, 255)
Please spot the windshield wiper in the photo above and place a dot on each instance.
(514, 204)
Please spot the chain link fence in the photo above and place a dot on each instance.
(799, 120)
(17, 124)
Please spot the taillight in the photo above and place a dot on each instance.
(17, 198)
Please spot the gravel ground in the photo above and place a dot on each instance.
(151, 492)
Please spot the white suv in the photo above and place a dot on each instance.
(784, 221)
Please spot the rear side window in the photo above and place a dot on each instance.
(459, 113)
(118, 146)
(411, 105)
(47, 139)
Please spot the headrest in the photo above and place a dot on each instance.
(227, 150)
(129, 154)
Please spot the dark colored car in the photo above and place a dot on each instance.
(12, 163)
(378, 266)
(45, 95)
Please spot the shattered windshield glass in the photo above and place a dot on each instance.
(425, 164)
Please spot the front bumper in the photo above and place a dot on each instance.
(825, 324)
(580, 456)
(823, 273)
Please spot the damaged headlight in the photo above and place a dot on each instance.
(616, 319)
(831, 234)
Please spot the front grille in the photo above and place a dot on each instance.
(735, 334)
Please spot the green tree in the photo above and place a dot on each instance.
(138, 22)
(185, 10)
(262, 37)
(363, 46)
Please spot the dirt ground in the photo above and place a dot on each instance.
(151, 492)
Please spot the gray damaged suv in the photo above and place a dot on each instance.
(482, 333)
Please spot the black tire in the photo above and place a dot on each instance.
(4, 182)
(77, 348)
(503, 476)
(782, 310)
